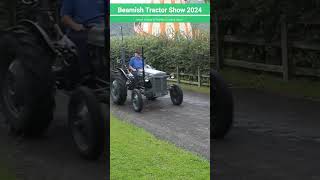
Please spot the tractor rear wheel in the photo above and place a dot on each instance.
(118, 90)
(26, 83)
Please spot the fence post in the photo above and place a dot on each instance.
(284, 48)
(199, 77)
(178, 77)
(218, 42)
(13, 5)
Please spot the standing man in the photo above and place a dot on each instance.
(76, 15)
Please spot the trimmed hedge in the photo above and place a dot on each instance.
(165, 54)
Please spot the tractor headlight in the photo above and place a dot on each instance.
(148, 83)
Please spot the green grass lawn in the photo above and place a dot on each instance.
(202, 89)
(298, 87)
(136, 154)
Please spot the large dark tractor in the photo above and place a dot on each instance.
(37, 59)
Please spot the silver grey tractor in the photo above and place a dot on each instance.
(149, 82)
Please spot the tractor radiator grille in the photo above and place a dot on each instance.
(160, 86)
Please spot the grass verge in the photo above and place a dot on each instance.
(5, 174)
(136, 154)
(203, 90)
(299, 87)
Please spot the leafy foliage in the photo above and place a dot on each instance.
(164, 53)
(262, 17)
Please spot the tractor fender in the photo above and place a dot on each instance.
(123, 73)
(37, 29)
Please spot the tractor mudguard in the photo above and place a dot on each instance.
(36, 29)
(33, 35)
(123, 73)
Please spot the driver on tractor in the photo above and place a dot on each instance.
(76, 16)
(135, 66)
(135, 63)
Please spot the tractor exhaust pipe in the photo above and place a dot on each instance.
(143, 74)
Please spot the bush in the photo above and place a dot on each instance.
(165, 54)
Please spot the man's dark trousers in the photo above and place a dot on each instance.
(80, 38)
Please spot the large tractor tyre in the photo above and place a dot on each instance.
(26, 83)
(106, 131)
(176, 95)
(118, 90)
(137, 101)
(221, 107)
(87, 123)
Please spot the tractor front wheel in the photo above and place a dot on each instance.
(176, 95)
(137, 100)
(86, 121)
(221, 107)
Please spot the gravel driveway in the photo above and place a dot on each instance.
(52, 157)
(187, 126)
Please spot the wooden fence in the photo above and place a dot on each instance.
(286, 67)
(200, 80)
(6, 14)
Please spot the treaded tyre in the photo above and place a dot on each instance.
(137, 101)
(176, 95)
(26, 82)
(221, 107)
(152, 98)
(118, 90)
(86, 121)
